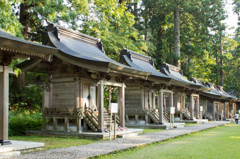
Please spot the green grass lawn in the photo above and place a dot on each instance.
(221, 142)
(55, 142)
(61, 142)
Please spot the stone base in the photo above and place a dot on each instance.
(5, 142)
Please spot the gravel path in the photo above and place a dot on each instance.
(105, 147)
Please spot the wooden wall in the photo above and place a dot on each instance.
(132, 100)
(63, 95)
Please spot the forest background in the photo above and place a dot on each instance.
(144, 26)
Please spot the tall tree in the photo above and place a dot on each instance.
(8, 21)
(114, 25)
(34, 13)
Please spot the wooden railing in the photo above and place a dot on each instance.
(91, 118)
(166, 115)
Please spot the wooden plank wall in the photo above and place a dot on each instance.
(132, 100)
(63, 95)
(209, 106)
(221, 107)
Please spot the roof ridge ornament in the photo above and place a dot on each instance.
(198, 81)
(100, 46)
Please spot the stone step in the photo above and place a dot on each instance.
(10, 154)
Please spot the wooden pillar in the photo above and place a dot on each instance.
(122, 105)
(191, 105)
(225, 110)
(66, 124)
(197, 107)
(146, 119)
(150, 100)
(100, 105)
(142, 98)
(45, 104)
(214, 114)
(153, 100)
(136, 119)
(4, 97)
(171, 99)
(79, 126)
(234, 109)
(77, 94)
(217, 106)
(228, 110)
(55, 124)
(160, 106)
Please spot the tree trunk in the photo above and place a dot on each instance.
(217, 69)
(177, 35)
(24, 17)
(221, 52)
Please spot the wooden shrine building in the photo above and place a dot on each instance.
(215, 101)
(12, 48)
(78, 72)
(140, 95)
(189, 110)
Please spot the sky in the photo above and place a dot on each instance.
(232, 19)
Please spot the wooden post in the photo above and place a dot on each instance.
(198, 108)
(160, 106)
(228, 110)
(150, 100)
(182, 106)
(171, 100)
(66, 124)
(100, 106)
(142, 98)
(214, 114)
(191, 105)
(136, 119)
(55, 124)
(153, 100)
(146, 119)
(122, 105)
(225, 110)
(217, 111)
(45, 104)
(79, 126)
(77, 93)
(4, 98)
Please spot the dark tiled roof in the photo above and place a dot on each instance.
(177, 74)
(6, 35)
(24, 47)
(80, 46)
(141, 62)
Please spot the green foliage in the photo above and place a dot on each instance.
(29, 99)
(8, 21)
(113, 95)
(20, 121)
(114, 26)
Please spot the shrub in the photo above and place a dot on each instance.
(22, 121)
